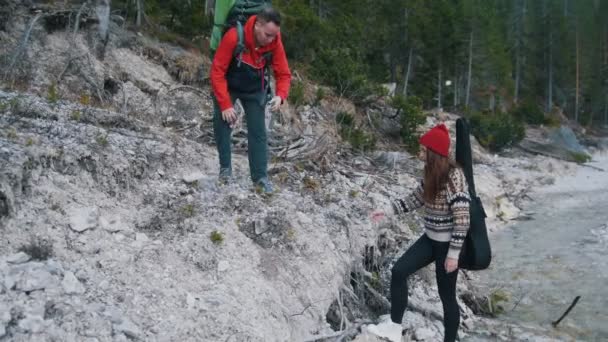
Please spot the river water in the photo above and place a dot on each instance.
(544, 263)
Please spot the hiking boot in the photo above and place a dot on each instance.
(264, 186)
(387, 329)
(225, 175)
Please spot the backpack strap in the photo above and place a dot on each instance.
(240, 44)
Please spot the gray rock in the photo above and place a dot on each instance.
(54, 267)
(82, 219)
(223, 265)
(141, 240)
(128, 328)
(5, 317)
(425, 334)
(31, 324)
(112, 225)
(192, 177)
(18, 258)
(260, 227)
(34, 279)
(71, 285)
(9, 282)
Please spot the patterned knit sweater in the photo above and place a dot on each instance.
(446, 218)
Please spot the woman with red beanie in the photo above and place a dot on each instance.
(444, 194)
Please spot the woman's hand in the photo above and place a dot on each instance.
(451, 265)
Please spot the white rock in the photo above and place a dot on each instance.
(9, 282)
(192, 177)
(506, 209)
(425, 334)
(223, 265)
(34, 279)
(18, 258)
(5, 317)
(141, 240)
(71, 285)
(112, 225)
(53, 267)
(31, 324)
(83, 218)
(190, 300)
(128, 328)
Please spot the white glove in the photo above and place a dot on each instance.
(275, 103)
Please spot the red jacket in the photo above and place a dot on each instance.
(253, 58)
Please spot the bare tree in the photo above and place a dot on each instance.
(470, 71)
(140, 12)
(519, 25)
(576, 99)
(102, 9)
(408, 71)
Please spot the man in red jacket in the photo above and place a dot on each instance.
(243, 75)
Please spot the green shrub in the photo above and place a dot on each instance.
(552, 121)
(496, 131)
(342, 69)
(411, 116)
(319, 95)
(53, 95)
(358, 139)
(296, 93)
(75, 115)
(528, 111)
(102, 140)
(580, 157)
(188, 210)
(345, 120)
(216, 237)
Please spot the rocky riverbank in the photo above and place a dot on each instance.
(114, 227)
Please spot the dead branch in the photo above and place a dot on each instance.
(339, 335)
(77, 23)
(303, 149)
(179, 87)
(554, 324)
(302, 312)
(411, 306)
(23, 45)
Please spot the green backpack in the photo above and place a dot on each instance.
(233, 13)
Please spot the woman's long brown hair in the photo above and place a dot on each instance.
(436, 173)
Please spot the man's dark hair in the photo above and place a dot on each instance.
(269, 15)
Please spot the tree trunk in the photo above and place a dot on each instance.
(566, 8)
(439, 88)
(550, 68)
(140, 12)
(455, 86)
(606, 111)
(209, 6)
(518, 43)
(468, 93)
(407, 72)
(576, 98)
(103, 15)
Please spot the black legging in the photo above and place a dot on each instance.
(420, 254)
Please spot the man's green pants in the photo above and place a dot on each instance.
(257, 139)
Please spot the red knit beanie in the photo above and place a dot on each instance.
(437, 140)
